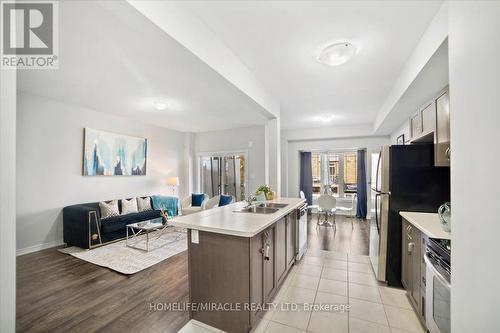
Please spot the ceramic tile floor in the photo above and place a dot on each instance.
(325, 277)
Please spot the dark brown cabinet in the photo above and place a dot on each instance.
(257, 272)
(442, 149)
(281, 264)
(268, 257)
(413, 267)
(291, 229)
(431, 124)
(415, 258)
(423, 123)
(232, 269)
(405, 269)
(416, 126)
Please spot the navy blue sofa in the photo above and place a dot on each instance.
(83, 226)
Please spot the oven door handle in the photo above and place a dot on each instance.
(435, 272)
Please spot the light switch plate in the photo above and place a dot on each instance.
(195, 236)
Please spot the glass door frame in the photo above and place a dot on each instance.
(222, 154)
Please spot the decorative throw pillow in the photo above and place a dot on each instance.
(197, 199)
(129, 206)
(225, 200)
(144, 204)
(109, 209)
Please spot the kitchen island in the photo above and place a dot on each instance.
(238, 260)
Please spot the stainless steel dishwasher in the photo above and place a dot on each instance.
(301, 231)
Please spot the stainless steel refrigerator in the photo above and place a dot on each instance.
(405, 180)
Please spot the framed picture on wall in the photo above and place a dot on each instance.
(400, 139)
(111, 154)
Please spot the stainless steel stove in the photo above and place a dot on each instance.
(438, 285)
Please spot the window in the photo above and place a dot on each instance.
(350, 172)
(335, 172)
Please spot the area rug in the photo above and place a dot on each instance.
(126, 260)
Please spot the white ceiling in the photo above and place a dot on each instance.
(113, 59)
(431, 79)
(279, 40)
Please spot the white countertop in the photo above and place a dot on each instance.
(428, 223)
(224, 220)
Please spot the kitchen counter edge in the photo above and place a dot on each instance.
(428, 223)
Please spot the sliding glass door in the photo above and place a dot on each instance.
(223, 174)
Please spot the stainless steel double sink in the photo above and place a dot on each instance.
(262, 208)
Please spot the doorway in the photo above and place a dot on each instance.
(224, 174)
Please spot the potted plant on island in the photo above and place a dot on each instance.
(267, 190)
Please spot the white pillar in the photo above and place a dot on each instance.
(474, 53)
(273, 155)
(284, 166)
(7, 200)
(189, 166)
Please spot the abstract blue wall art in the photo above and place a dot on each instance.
(110, 154)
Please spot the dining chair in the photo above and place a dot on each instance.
(351, 209)
(327, 205)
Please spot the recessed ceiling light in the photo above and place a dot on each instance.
(337, 54)
(160, 105)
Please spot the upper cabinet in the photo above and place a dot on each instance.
(428, 119)
(423, 123)
(431, 124)
(442, 149)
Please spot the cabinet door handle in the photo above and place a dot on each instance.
(265, 251)
(448, 153)
(411, 245)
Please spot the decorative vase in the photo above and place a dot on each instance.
(444, 213)
(270, 195)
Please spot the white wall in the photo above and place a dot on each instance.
(474, 49)
(246, 139)
(49, 165)
(431, 40)
(291, 159)
(7, 201)
(403, 129)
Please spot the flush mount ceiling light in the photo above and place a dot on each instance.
(160, 105)
(326, 118)
(336, 54)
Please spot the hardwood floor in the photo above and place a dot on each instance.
(59, 293)
(344, 239)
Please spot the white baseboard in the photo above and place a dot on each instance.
(39, 247)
